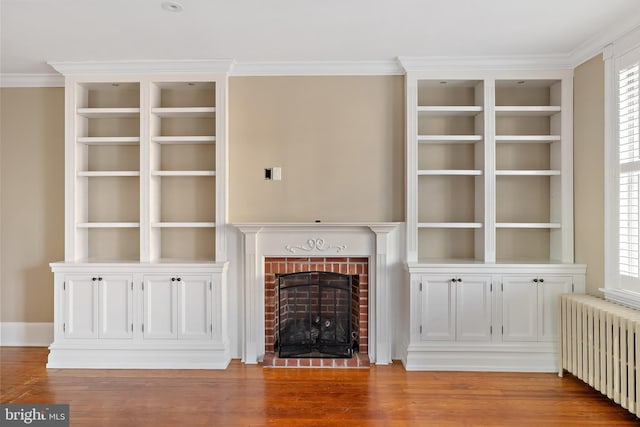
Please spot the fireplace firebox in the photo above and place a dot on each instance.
(315, 317)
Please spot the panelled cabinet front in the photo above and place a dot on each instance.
(112, 320)
(479, 318)
(455, 308)
(98, 306)
(160, 305)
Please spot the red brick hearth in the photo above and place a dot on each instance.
(344, 265)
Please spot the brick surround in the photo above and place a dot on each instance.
(345, 265)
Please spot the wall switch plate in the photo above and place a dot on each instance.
(267, 174)
(277, 174)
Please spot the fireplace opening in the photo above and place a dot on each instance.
(316, 317)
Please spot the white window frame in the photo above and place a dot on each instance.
(617, 56)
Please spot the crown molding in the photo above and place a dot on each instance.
(317, 68)
(217, 66)
(596, 45)
(465, 63)
(31, 80)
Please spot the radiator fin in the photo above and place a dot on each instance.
(600, 345)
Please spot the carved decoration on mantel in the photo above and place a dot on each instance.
(317, 244)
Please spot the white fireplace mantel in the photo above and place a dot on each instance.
(372, 240)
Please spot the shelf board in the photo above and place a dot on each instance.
(450, 110)
(543, 139)
(108, 225)
(449, 225)
(538, 225)
(206, 139)
(465, 172)
(183, 225)
(529, 110)
(195, 112)
(108, 173)
(183, 173)
(109, 113)
(109, 140)
(449, 139)
(527, 172)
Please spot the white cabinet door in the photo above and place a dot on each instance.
(116, 306)
(194, 307)
(473, 308)
(438, 309)
(519, 309)
(80, 307)
(159, 306)
(549, 290)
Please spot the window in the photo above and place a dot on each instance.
(622, 170)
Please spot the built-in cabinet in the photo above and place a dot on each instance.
(489, 215)
(455, 308)
(145, 217)
(530, 306)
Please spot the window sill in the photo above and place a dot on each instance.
(619, 296)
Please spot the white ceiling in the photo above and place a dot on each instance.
(34, 32)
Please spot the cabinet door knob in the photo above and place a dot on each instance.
(454, 280)
(541, 280)
(173, 279)
(179, 279)
(93, 279)
(459, 280)
(535, 280)
(99, 279)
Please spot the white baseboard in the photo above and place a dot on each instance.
(26, 334)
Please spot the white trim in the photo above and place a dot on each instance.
(31, 80)
(611, 55)
(377, 241)
(621, 296)
(596, 44)
(514, 357)
(142, 66)
(26, 334)
(317, 68)
(465, 63)
(138, 358)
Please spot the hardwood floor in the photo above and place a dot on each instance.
(246, 395)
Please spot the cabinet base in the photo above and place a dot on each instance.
(138, 359)
(539, 357)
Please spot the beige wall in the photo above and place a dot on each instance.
(588, 174)
(31, 200)
(339, 141)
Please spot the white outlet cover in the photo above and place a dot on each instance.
(277, 174)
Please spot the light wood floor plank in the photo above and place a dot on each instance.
(244, 395)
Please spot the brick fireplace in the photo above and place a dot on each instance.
(345, 265)
(368, 250)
